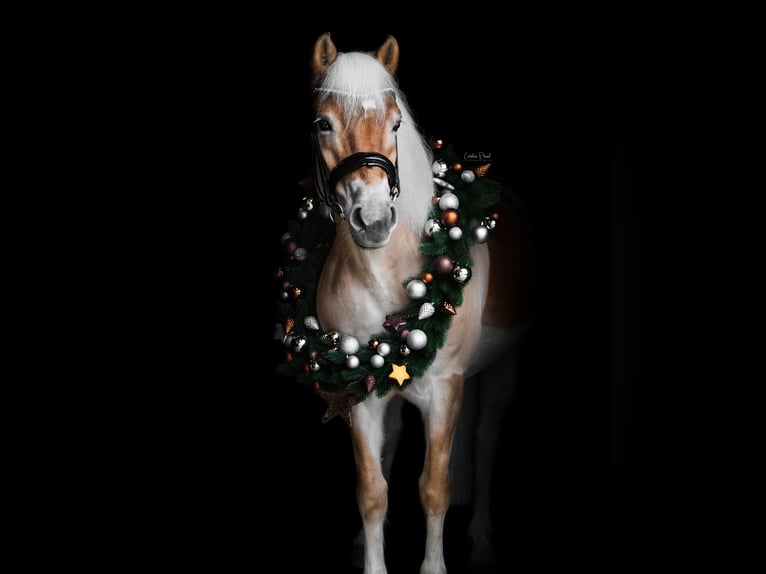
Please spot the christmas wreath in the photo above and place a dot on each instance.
(343, 370)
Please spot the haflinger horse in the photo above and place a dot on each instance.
(378, 182)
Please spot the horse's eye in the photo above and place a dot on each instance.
(397, 125)
(323, 125)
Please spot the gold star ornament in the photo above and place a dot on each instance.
(399, 373)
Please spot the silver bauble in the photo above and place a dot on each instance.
(299, 342)
(352, 361)
(417, 339)
(349, 344)
(468, 176)
(300, 253)
(416, 289)
(480, 233)
(439, 168)
(432, 226)
(461, 273)
(377, 361)
(383, 349)
(449, 201)
(331, 338)
(455, 233)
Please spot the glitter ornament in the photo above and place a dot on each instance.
(426, 310)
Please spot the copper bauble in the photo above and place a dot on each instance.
(449, 217)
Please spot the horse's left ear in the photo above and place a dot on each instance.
(388, 54)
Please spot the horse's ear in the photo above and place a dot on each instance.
(325, 53)
(388, 54)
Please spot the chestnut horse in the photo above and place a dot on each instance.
(378, 181)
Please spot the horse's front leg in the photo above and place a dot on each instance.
(372, 488)
(440, 417)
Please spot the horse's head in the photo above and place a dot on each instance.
(355, 134)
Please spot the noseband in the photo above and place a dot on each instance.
(326, 182)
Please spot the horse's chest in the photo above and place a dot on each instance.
(356, 310)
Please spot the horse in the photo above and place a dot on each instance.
(403, 238)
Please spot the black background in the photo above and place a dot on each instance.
(243, 469)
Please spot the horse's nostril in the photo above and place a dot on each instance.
(356, 219)
(393, 216)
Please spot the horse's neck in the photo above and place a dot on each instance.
(358, 287)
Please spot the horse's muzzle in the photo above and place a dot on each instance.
(372, 228)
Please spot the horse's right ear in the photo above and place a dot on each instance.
(388, 54)
(325, 53)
